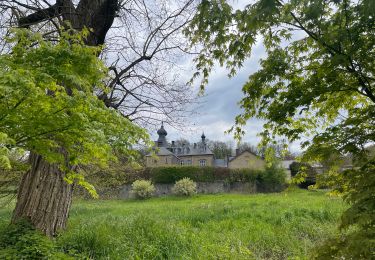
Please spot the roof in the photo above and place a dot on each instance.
(200, 148)
(162, 131)
(184, 151)
(192, 150)
(162, 151)
(248, 151)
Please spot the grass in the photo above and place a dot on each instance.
(228, 226)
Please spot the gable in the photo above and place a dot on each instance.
(247, 160)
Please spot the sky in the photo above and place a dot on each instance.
(220, 106)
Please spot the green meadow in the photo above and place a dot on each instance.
(228, 226)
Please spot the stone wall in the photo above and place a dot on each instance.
(202, 187)
(124, 192)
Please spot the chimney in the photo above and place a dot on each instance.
(195, 145)
(172, 143)
(237, 152)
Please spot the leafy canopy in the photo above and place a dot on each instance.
(317, 81)
(48, 103)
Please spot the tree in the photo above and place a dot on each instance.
(221, 150)
(317, 82)
(142, 44)
(49, 108)
(182, 142)
(143, 49)
(309, 174)
(245, 146)
(280, 149)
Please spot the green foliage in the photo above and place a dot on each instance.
(358, 221)
(271, 176)
(273, 179)
(200, 174)
(242, 175)
(317, 81)
(227, 226)
(4, 151)
(221, 150)
(116, 174)
(48, 104)
(175, 173)
(184, 187)
(10, 178)
(143, 189)
(22, 241)
(303, 174)
(137, 237)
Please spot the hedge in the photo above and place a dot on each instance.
(265, 179)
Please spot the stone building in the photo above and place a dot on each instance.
(167, 154)
(197, 154)
(246, 159)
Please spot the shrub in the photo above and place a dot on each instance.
(310, 179)
(184, 187)
(173, 174)
(272, 179)
(199, 174)
(143, 189)
(22, 241)
(242, 175)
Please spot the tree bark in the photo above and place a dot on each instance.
(44, 197)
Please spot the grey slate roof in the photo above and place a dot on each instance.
(164, 151)
(199, 149)
(165, 148)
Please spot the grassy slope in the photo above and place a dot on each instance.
(263, 226)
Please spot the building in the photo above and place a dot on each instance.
(246, 159)
(197, 154)
(168, 154)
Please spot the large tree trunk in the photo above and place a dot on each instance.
(44, 197)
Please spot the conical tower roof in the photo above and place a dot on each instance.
(162, 131)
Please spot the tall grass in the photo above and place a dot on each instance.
(262, 226)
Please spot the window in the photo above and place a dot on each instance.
(188, 162)
(166, 160)
(182, 162)
(202, 162)
(155, 161)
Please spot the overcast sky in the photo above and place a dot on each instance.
(220, 104)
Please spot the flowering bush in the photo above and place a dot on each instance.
(185, 187)
(143, 189)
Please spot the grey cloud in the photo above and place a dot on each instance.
(220, 106)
